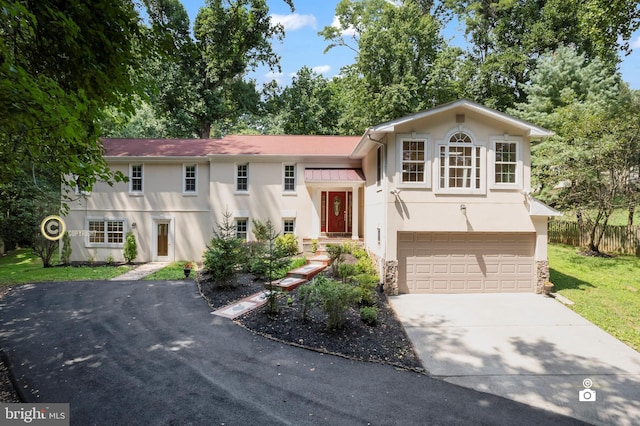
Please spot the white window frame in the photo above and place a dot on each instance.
(105, 221)
(518, 163)
(246, 224)
(284, 225)
(185, 177)
(478, 164)
(131, 179)
(238, 177)
(285, 178)
(427, 162)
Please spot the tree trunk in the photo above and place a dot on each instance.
(205, 130)
(632, 210)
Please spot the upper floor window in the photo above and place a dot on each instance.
(289, 177)
(460, 165)
(242, 177)
(190, 178)
(506, 162)
(414, 163)
(135, 178)
(241, 228)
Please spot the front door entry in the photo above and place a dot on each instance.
(163, 239)
(337, 212)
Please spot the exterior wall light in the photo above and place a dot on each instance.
(463, 209)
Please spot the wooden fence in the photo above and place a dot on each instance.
(616, 239)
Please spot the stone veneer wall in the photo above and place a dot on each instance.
(542, 274)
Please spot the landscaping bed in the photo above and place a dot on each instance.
(384, 342)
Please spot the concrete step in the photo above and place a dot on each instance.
(307, 272)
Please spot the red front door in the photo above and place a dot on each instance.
(337, 212)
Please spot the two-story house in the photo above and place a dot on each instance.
(440, 198)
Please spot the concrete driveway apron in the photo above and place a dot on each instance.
(528, 348)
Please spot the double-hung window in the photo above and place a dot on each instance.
(289, 226)
(105, 232)
(241, 228)
(242, 177)
(190, 179)
(414, 163)
(506, 163)
(289, 178)
(460, 164)
(135, 178)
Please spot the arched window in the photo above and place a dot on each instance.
(460, 163)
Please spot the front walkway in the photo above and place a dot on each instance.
(140, 271)
(525, 347)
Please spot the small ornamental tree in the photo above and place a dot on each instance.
(226, 253)
(65, 254)
(130, 251)
(273, 258)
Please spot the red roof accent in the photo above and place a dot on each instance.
(324, 175)
(233, 145)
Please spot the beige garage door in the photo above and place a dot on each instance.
(465, 262)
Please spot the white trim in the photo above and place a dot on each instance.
(491, 157)
(478, 165)
(131, 191)
(104, 220)
(414, 137)
(236, 177)
(295, 179)
(285, 219)
(156, 220)
(184, 179)
(247, 231)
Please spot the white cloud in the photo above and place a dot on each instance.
(349, 32)
(294, 21)
(321, 69)
(635, 44)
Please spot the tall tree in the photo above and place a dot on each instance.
(591, 163)
(508, 36)
(399, 54)
(202, 81)
(61, 63)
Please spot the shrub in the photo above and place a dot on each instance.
(130, 251)
(65, 254)
(365, 289)
(306, 293)
(225, 254)
(287, 244)
(261, 229)
(336, 256)
(369, 314)
(346, 270)
(314, 245)
(365, 266)
(335, 298)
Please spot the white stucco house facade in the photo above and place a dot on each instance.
(440, 198)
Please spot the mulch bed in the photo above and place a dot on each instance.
(384, 342)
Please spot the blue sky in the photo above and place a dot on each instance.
(303, 46)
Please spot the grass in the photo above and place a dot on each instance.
(172, 272)
(606, 291)
(22, 266)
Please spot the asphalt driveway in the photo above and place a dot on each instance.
(525, 347)
(145, 352)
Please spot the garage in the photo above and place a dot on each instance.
(465, 262)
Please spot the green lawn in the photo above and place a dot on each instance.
(173, 271)
(22, 266)
(606, 291)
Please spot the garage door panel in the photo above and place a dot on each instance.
(466, 262)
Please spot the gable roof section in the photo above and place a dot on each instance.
(274, 145)
(376, 132)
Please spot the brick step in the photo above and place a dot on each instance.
(307, 271)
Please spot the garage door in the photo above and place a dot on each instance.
(465, 262)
